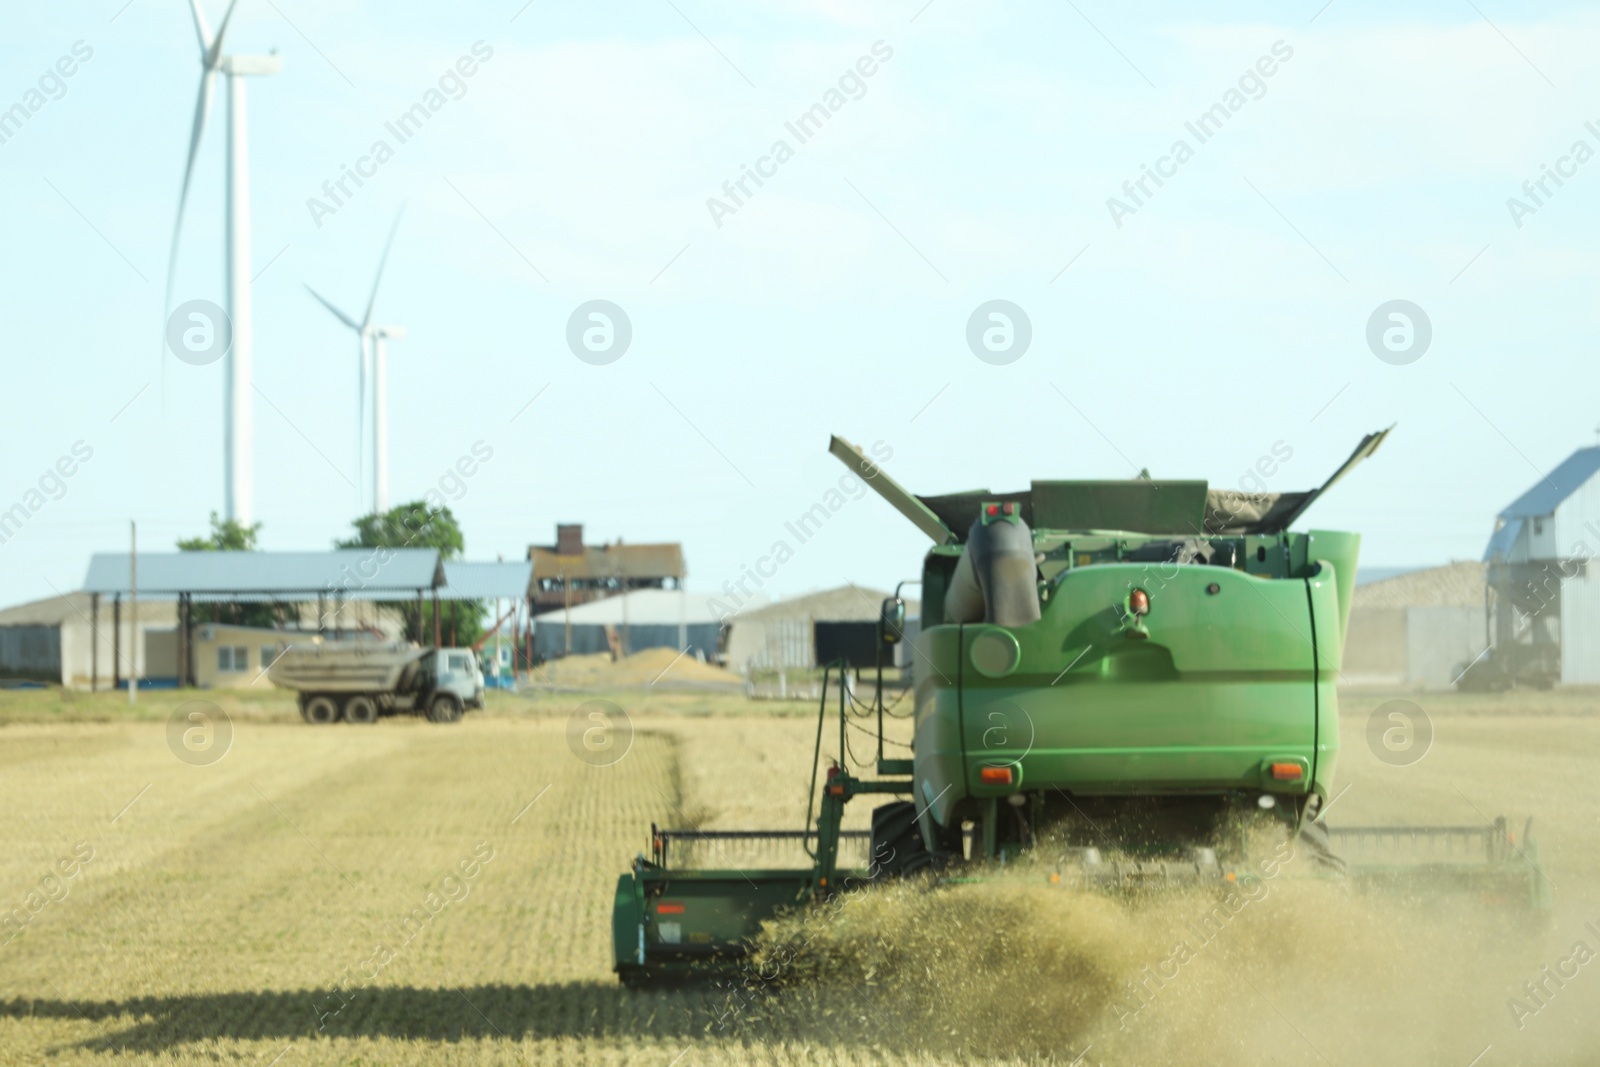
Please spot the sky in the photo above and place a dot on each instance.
(1205, 327)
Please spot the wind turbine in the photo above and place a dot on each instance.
(372, 340)
(236, 432)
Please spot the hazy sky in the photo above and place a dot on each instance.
(1224, 318)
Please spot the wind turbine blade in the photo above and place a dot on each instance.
(341, 316)
(373, 299)
(202, 30)
(202, 108)
(214, 57)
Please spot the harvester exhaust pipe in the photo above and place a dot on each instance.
(996, 578)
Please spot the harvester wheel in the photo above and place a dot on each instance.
(321, 710)
(639, 978)
(360, 709)
(1318, 844)
(443, 708)
(897, 846)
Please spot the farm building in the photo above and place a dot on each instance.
(1418, 629)
(1544, 588)
(505, 590)
(200, 614)
(53, 640)
(233, 657)
(569, 572)
(786, 634)
(644, 618)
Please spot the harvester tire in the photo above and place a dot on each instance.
(361, 709)
(444, 708)
(321, 710)
(897, 845)
(1318, 843)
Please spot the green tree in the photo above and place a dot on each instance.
(230, 535)
(227, 535)
(418, 524)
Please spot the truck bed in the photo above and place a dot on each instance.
(343, 667)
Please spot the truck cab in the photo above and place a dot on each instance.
(455, 671)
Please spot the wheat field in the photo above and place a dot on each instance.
(407, 893)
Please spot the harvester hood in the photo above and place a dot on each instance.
(1147, 505)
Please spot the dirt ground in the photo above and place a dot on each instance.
(455, 882)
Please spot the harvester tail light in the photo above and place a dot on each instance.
(669, 908)
(995, 776)
(1288, 772)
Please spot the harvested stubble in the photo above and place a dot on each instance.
(222, 910)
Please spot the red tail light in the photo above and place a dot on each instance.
(995, 776)
(1287, 772)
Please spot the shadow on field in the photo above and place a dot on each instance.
(574, 1009)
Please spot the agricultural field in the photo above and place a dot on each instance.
(407, 893)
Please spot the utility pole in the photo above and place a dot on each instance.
(499, 629)
(133, 611)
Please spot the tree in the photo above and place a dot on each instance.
(418, 524)
(230, 535)
(227, 535)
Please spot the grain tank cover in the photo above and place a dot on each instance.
(1139, 505)
(1143, 505)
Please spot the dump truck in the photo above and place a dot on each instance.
(359, 681)
(1139, 674)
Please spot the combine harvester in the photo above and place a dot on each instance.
(1135, 672)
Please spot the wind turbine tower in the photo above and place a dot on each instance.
(371, 339)
(236, 421)
(380, 415)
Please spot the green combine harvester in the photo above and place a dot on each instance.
(1133, 671)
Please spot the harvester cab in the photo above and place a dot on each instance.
(1139, 676)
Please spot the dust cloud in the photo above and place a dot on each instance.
(1292, 967)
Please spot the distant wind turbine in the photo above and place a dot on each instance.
(236, 440)
(372, 340)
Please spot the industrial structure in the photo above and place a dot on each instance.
(786, 635)
(569, 572)
(634, 621)
(1543, 599)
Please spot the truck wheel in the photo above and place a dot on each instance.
(360, 709)
(443, 708)
(321, 710)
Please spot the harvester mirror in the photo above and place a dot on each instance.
(892, 620)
